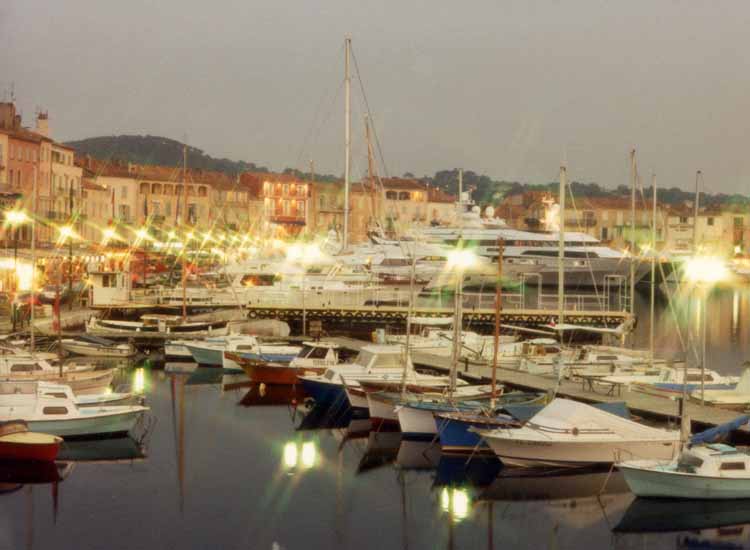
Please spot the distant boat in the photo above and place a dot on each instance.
(158, 326)
(570, 434)
(737, 398)
(212, 351)
(18, 443)
(313, 358)
(81, 379)
(93, 346)
(59, 415)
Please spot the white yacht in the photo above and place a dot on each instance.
(527, 253)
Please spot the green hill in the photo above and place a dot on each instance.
(159, 151)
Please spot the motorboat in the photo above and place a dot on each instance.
(703, 470)
(209, 352)
(58, 414)
(177, 350)
(597, 361)
(372, 362)
(736, 398)
(156, 325)
(54, 389)
(566, 433)
(18, 443)
(93, 346)
(312, 358)
(81, 379)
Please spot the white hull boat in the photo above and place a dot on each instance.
(570, 434)
(57, 413)
(704, 470)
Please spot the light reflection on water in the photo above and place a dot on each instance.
(229, 466)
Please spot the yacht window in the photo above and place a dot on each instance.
(606, 358)
(318, 353)
(25, 367)
(56, 394)
(244, 347)
(305, 351)
(732, 466)
(688, 463)
(550, 349)
(329, 375)
(55, 410)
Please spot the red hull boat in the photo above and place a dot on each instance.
(272, 374)
(17, 443)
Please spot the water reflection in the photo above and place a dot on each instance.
(261, 394)
(300, 455)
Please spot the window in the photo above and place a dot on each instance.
(192, 213)
(11, 155)
(25, 367)
(322, 201)
(202, 191)
(144, 188)
(391, 195)
(732, 466)
(605, 236)
(710, 221)
(55, 410)
(286, 189)
(683, 219)
(123, 192)
(168, 208)
(156, 208)
(738, 222)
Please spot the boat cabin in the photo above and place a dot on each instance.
(714, 460)
(316, 354)
(109, 288)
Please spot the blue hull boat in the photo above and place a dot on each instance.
(324, 393)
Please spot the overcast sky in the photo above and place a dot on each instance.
(507, 88)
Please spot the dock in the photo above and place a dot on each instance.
(381, 315)
(641, 404)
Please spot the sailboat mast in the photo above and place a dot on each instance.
(653, 272)
(347, 135)
(695, 212)
(561, 250)
(409, 314)
(633, 182)
(498, 309)
(32, 298)
(184, 218)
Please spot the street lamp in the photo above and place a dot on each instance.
(305, 255)
(66, 233)
(703, 272)
(459, 260)
(15, 218)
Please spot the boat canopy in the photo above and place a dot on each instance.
(525, 412)
(714, 434)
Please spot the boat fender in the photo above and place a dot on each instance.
(574, 431)
(262, 389)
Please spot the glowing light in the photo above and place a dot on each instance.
(66, 232)
(455, 501)
(309, 454)
(108, 234)
(738, 249)
(190, 236)
(706, 269)
(24, 272)
(461, 258)
(141, 233)
(171, 235)
(290, 455)
(16, 217)
(139, 380)
(552, 217)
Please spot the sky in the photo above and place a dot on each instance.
(507, 88)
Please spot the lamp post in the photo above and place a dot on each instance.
(67, 235)
(459, 260)
(704, 272)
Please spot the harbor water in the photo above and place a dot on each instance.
(224, 465)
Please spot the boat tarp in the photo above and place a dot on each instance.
(719, 432)
(564, 414)
(523, 412)
(91, 339)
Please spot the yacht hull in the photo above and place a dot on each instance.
(114, 423)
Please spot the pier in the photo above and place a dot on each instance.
(641, 404)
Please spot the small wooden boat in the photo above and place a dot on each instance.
(93, 346)
(18, 443)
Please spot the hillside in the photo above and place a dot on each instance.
(157, 150)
